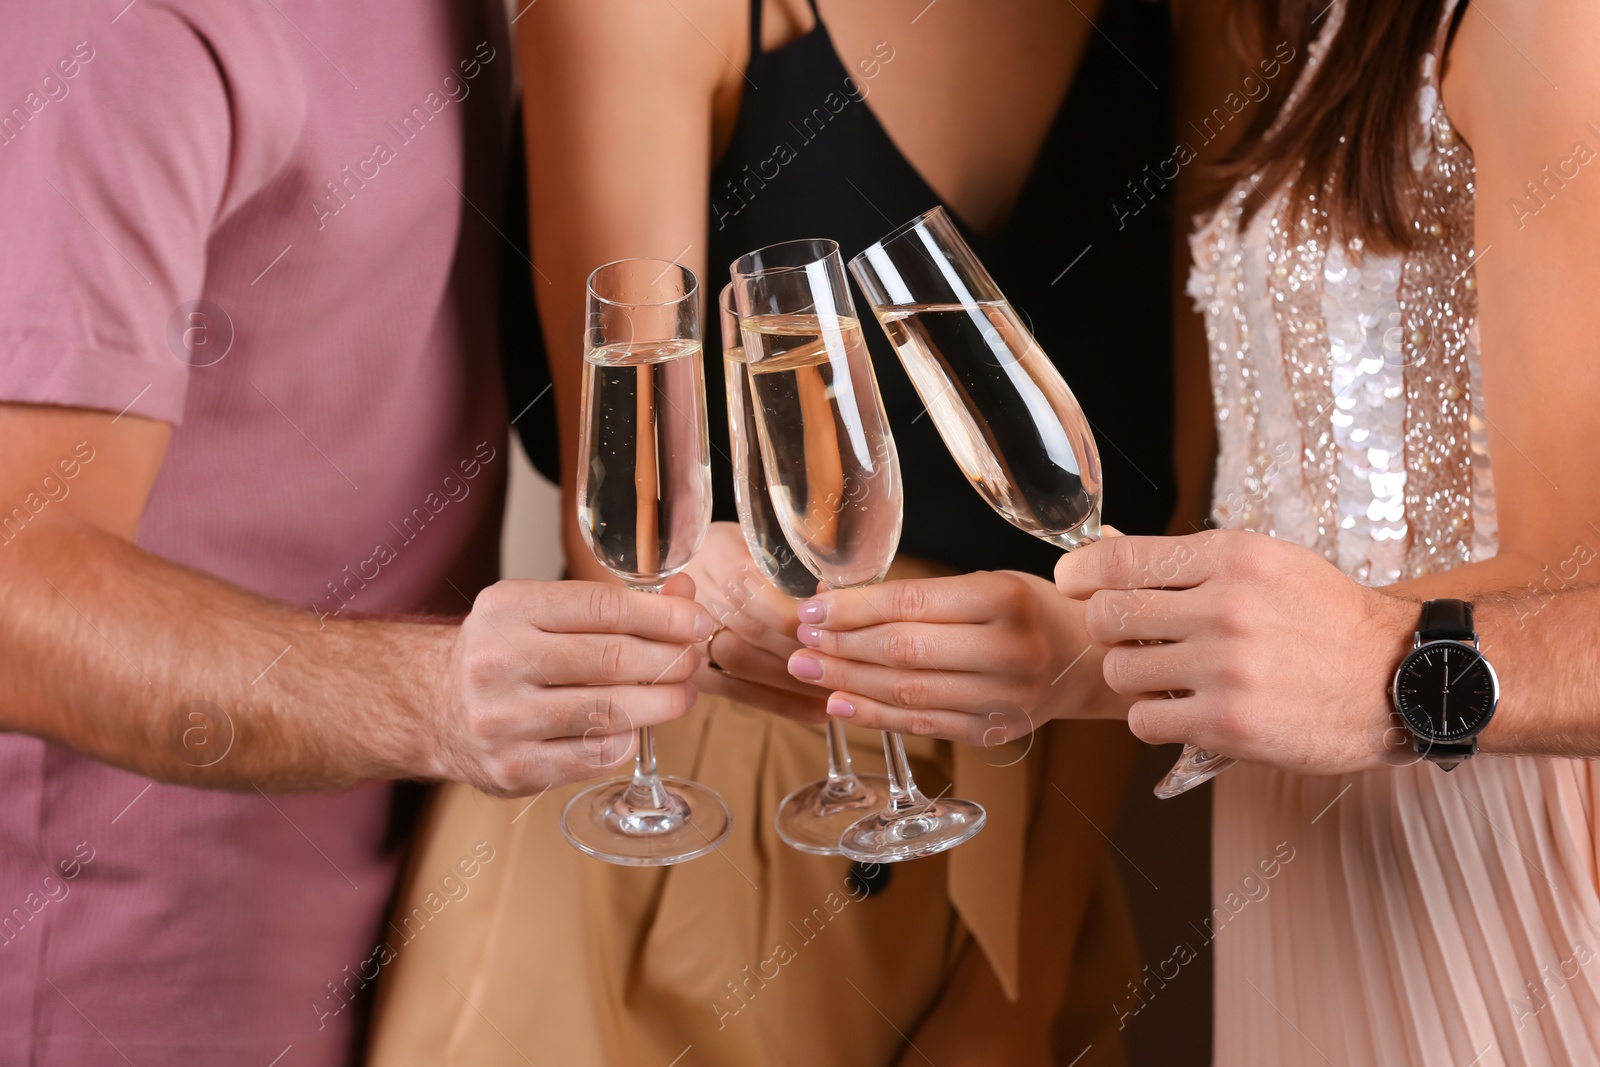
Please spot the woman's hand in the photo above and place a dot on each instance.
(1273, 654)
(756, 630)
(981, 658)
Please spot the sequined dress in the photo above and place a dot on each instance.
(1422, 918)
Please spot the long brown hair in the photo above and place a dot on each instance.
(1348, 138)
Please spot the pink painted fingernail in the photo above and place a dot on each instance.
(805, 668)
(813, 611)
(809, 635)
(840, 708)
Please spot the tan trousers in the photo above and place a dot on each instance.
(755, 955)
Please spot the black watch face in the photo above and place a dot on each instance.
(1445, 691)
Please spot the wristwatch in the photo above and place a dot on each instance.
(1445, 690)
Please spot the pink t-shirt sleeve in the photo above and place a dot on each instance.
(115, 149)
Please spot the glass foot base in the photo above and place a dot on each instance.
(608, 822)
(813, 817)
(926, 830)
(1195, 767)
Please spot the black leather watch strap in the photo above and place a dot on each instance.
(1446, 755)
(1446, 620)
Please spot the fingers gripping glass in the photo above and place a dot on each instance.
(1006, 415)
(833, 480)
(813, 817)
(644, 502)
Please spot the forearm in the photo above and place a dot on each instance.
(1539, 632)
(1543, 652)
(185, 678)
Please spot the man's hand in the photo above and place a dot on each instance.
(1275, 656)
(548, 681)
(110, 650)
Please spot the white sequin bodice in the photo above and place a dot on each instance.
(1346, 383)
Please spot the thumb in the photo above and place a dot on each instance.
(1064, 565)
(679, 584)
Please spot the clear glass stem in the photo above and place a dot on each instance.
(645, 792)
(842, 783)
(839, 764)
(903, 793)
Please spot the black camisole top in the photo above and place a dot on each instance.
(1085, 265)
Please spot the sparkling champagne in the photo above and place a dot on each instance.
(833, 473)
(646, 499)
(1032, 457)
(771, 551)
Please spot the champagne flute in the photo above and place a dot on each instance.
(834, 482)
(813, 817)
(644, 503)
(1002, 408)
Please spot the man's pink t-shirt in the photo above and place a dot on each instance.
(272, 224)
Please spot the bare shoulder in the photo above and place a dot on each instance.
(1521, 73)
(619, 101)
(1522, 87)
(623, 39)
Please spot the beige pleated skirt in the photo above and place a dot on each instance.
(508, 947)
(1408, 916)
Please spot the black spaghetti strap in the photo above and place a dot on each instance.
(755, 31)
(815, 13)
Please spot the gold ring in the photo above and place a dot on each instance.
(711, 660)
